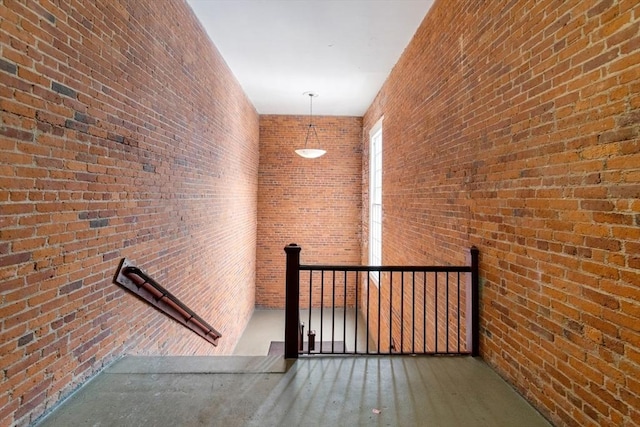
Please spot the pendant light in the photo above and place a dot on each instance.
(311, 153)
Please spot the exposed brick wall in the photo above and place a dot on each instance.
(515, 126)
(122, 134)
(315, 203)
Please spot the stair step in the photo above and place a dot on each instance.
(199, 365)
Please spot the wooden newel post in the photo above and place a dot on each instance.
(292, 301)
(473, 304)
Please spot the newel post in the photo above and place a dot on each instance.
(473, 303)
(292, 301)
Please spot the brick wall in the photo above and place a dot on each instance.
(515, 126)
(122, 134)
(315, 203)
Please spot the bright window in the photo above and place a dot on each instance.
(375, 194)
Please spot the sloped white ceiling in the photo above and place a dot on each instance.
(341, 49)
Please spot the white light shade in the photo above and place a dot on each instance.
(310, 153)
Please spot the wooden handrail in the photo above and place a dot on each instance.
(144, 287)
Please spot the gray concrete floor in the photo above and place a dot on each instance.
(259, 390)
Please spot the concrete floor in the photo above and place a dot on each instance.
(258, 390)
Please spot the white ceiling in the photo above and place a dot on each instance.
(341, 49)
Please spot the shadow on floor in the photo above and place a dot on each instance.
(253, 389)
(315, 391)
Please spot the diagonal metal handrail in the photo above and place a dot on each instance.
(144, 287)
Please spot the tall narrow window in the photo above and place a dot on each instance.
(375, 194)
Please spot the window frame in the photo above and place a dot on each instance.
(375, 196)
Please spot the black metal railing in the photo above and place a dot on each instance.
(392, 310)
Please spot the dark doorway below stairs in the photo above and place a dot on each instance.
(277, 347)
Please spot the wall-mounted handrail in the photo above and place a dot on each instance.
(144, 287)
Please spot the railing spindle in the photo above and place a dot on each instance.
(368, 319)
(344, 315)
(355, 309)
(424, 312)
(390, 312)
(333, 310)
(413, 312)
(435, 319)
(310, 309)
(402, 312)
(458, 305)
(446, 293)
(321, 308)
(473, 303)
(379, 310)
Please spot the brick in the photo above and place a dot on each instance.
(603, 243)
(599, 8)
(25, 339)
(97, 223)
(531, 155)
(600, 298)
(15, 259)
(63, 90)
(70, 287)
(84, 118)
(8, 67)
(23, 135)
(600, 60)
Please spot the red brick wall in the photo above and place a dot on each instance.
(123, 134)
(315, 203)
(515, 126)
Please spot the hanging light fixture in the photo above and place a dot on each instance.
(311, 153)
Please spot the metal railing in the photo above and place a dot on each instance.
(391, 310)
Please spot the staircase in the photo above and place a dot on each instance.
(183, 365)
